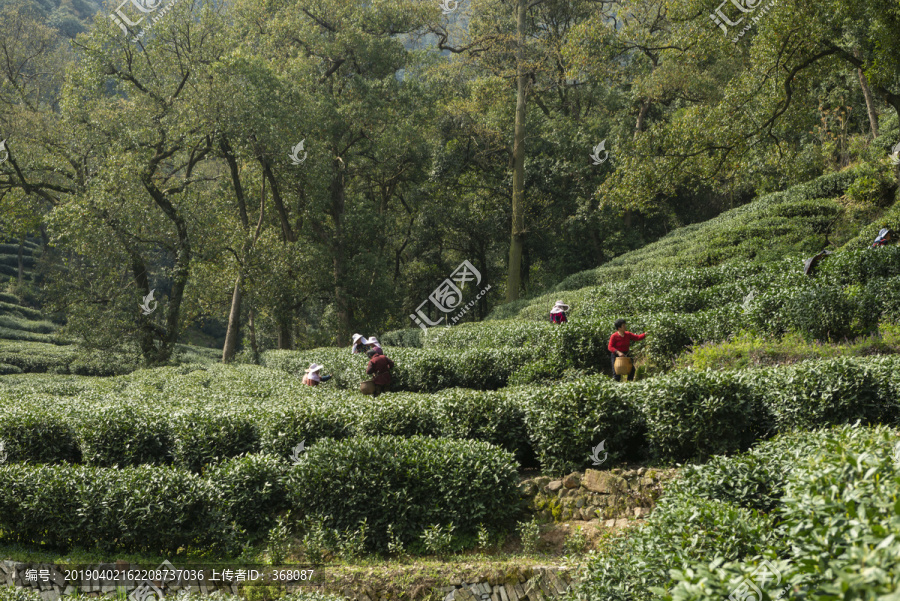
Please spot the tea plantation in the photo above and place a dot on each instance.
(792, 467)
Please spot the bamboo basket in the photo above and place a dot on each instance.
(623, 366)
(367, 387)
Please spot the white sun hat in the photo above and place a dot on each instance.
(314, 367)
(559, 307)
(359, 337)
(373, 340)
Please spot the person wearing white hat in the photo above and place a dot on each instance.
(313, 377)
(359, 341)
(374, 345)
(558, 312)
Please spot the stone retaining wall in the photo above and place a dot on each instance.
(543, 583)
(594, 494)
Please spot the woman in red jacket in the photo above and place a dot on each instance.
(619, 343)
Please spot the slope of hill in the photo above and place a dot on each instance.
(801, 220)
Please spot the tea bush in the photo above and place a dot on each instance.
(566, 422)
(195, 417)
(835, 391)
(409, 483)
(698, 414)
(146, 508)
(253, 490)
(708, 535)
(848, 471)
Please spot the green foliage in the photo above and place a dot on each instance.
(843, 472)
(576, 542)
(278, 542)
(698, 414)
(406, 482)
(530, 535)
(569, 420)
(34, 435)
(821, 393)
(146, 508)
(437, 539)
(255, 491)
(201, 438)
(115, 436)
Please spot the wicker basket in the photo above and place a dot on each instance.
(623, 366)
(367, 387)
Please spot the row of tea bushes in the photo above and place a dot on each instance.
(114, 430)
(416, 370)
(678, 416)
(160, 509)
(769, 523)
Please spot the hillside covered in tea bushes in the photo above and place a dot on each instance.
(202, 458)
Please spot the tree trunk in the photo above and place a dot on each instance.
(870, 103)
(180, 273)
(284, 334)
(234, 323)
(642, 114)
(251, 324)
(338, 268)
(514, 278)
(21, 259)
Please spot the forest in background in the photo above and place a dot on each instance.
(164, 163)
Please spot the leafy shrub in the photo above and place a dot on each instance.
(148, 508)
(407, 482)
(34, 435)
(827, 313)
(115, 436)
(568, 421)
(698, 414)
(494, 417)
(820, 393)
(680, 532)
(6, 369)
(252, 490)
(283, 428)
(407, 338)
(847, 471)
(201, 438)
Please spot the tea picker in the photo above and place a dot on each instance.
(359, 341)
(313, 377)
(619, 345)
(558, 312)
(380, 367)
(374, 345)
(885, 236)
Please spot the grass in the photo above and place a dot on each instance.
(747, 350)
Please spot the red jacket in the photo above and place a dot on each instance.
(381, 366)
(622, 343)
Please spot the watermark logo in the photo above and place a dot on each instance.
(145, 7)
(749, 588)
(4, 151)
(601, 147)
(448, 296)
(744, 7)
(747, 300)
(2, 451)
(895, 154)
(147, 590)
(145, 306)
(297, 450)
(446, 6)
(295, 153)
(595, 453)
